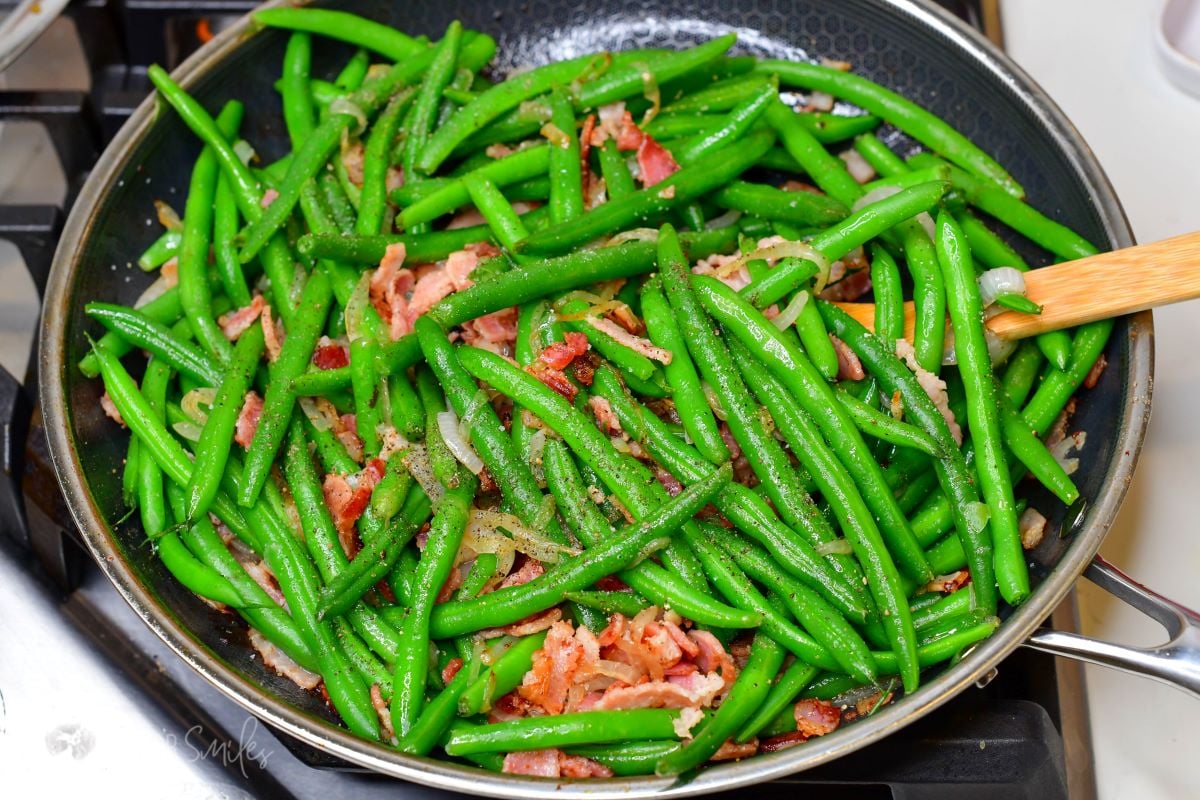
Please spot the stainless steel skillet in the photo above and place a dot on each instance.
(906, 45)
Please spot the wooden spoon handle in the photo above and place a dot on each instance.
(1092, 288)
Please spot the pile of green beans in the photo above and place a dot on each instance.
(638, 423)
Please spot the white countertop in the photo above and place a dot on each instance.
(1096, 58)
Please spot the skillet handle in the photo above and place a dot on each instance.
(1177, 662)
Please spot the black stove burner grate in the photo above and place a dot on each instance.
(1002, 741)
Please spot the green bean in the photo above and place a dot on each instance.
(320, 535)
(225, 228)
(573, 315)
(298, 114)
(781, 696)
(798, 375)
(501, 218)
(743, 507)
(966, 315)
(142, 332)
(918, 123)
(875, 423)
(521, 165)
(164, 309)
(909, 178)
(566, 184)
(372, 199)
(889, 295)
(798, 208)
(343, 26)
(857, 229)
(280, 400)
(628, 481)
(365, 381)
(689, 183)
(747, 693)
(436, 716)
(627, 603)
(1020, 216)
(408, 415)
(195, 294)
(819, 618)
(212, 451)
(436, 81)
(487, 433)
(879, 155)
(1058, 385)
(1030, 451)
(492, 103)
(482, 571)
(564, 730)
(437, 560)
(618, 180)
(628, 758)
(508, 605)
(1021, 372)
(740, 119)
(129, 475)
(951, 469)
(816, 342)
(501, 677)
(686, 391)
(827, 171)
(161, 250)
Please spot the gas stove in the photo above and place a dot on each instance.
(91, 699)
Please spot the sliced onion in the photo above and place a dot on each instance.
(857, 166)
(191, 404)
(537, 446)
(480, 538)
(244, 151)
(839, 547)
(821, 101)
(1062, 449)
(651, 547)
(714, 402)
(556, 136)
(457, 443)
(155, 290)
(633, 235)
(188, 430)
(723, 221)
(545, 513)
(777, 250)
(874, 196)
(416, 461)
(926, 222)
(998, 281)
(532, 110)
(356, 307)
(320, 421)
(478, 401)
(524, 538)
(651, 92)
(791, 312)
(344, 105)
(999, 348)
(976, 515)
(167, 216)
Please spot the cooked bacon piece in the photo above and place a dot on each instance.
(169, 273)
(485, 249)
(816, 717)
(1093, 376)
(110, 410)
(394, 179)
(849, 367)
(557, 381)
(1033, 527)
(654, 694)
(668, 481)
(851, 287)
(800, 186)
(276, 659)
(856, 165)
(602, 409)
(496, 332)
(452, 668)
(263, 576)
(352, 160)
(655, 162)
(946, 584)
(539, 763)
(247, 421)
(271, 334)
(390, 285)
(553, 763)
(269, 196)
(731, 750)
(436, 284)
(585, 148)
(384, 711)
(529, 570)
(534, 623)
(934, 386)
(635, 343)
(688, 719)
(629, 135)
(714, 266)
(559, 354)
(347, 498)
(554, 666)
(330, 355)
(238, 321)
(712, 656)
(782, 742)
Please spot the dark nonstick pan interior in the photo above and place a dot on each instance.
(887, 41)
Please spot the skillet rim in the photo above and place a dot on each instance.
(339, 742)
